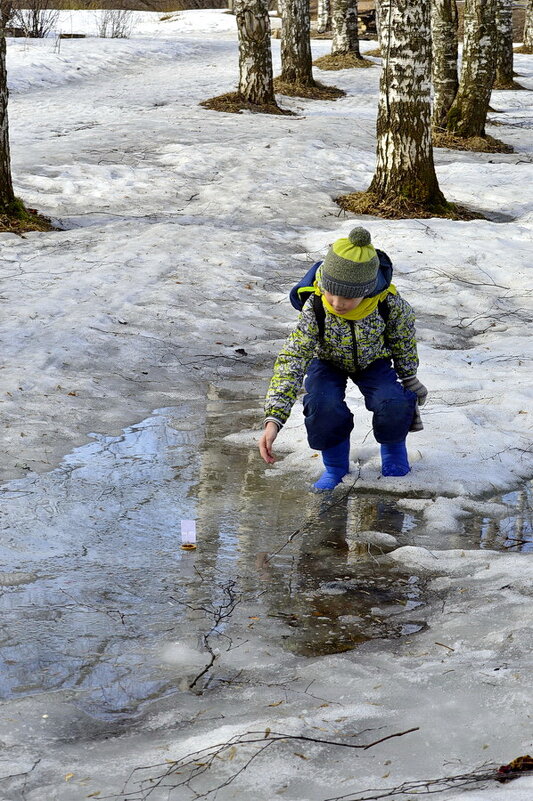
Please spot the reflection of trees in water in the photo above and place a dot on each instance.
(330, 590)
(328, 587)
(338, 593)
(513, 533)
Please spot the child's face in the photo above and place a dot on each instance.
(342, 305)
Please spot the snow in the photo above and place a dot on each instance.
(182, 231)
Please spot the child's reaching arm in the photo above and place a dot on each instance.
(289, 371)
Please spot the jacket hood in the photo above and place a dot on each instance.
(384, 276)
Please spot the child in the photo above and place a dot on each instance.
(367, 324)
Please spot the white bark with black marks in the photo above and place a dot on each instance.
(296, 59)
(256, 81)
(405, 165)
(504, 44)
(323, 16)
(528, 26)
(444, 21)
(344, 26)
(7, 195)
(468, 114)
(378, 20)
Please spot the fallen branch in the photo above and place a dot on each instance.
(484, 774)
(198, 763)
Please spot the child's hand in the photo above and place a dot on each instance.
(266, 440)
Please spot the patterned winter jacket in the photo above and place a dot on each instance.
(350, 345)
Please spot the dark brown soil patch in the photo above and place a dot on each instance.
(399, 208)
(342, 62)
(234, 103)
(316, 92)
(527, 51)
(478, 144)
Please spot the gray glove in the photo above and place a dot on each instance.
(417, 387)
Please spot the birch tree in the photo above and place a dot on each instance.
(527, 46)
(323, 16)
(296, 59)
(344, 26)
(444, 21)
(256, 80)
(405, 168)
(504, 45)
(468, 114)
(378, 20)
(7, 196)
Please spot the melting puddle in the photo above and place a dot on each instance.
(103, 611)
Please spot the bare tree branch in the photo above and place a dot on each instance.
(197, 763)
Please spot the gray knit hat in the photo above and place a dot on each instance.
(350, 268)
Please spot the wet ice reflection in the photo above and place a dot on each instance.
(335, 593)
(102, 608)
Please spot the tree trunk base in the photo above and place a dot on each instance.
(342, 61)
(507, 84)
(234, 103)
(478, 144)
(396, 207)
(15, 218)
(315, 92)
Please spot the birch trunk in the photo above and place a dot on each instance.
(323, 16)
(378, 21)
(528, 27)
(504, 45)
(7, 195)
(296, 60)
(405, 165)
(444, 20)
(468, 114)
(344, 26)
(256, 81)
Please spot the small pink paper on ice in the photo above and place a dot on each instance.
(188, 532)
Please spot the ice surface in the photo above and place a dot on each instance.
(166, 289)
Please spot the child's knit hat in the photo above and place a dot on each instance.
(350, 268)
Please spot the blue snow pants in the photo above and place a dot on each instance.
(327, 417)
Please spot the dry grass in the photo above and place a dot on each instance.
(342, 62)
(234, 103)
(376, 52)
(23, 222)
(316, 92)
(527, 51)
(400, 208)
(316, 35)
(477, 144)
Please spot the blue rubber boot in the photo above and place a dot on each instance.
(394, 461)
(337, 465)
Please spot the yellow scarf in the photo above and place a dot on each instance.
(366, 307)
